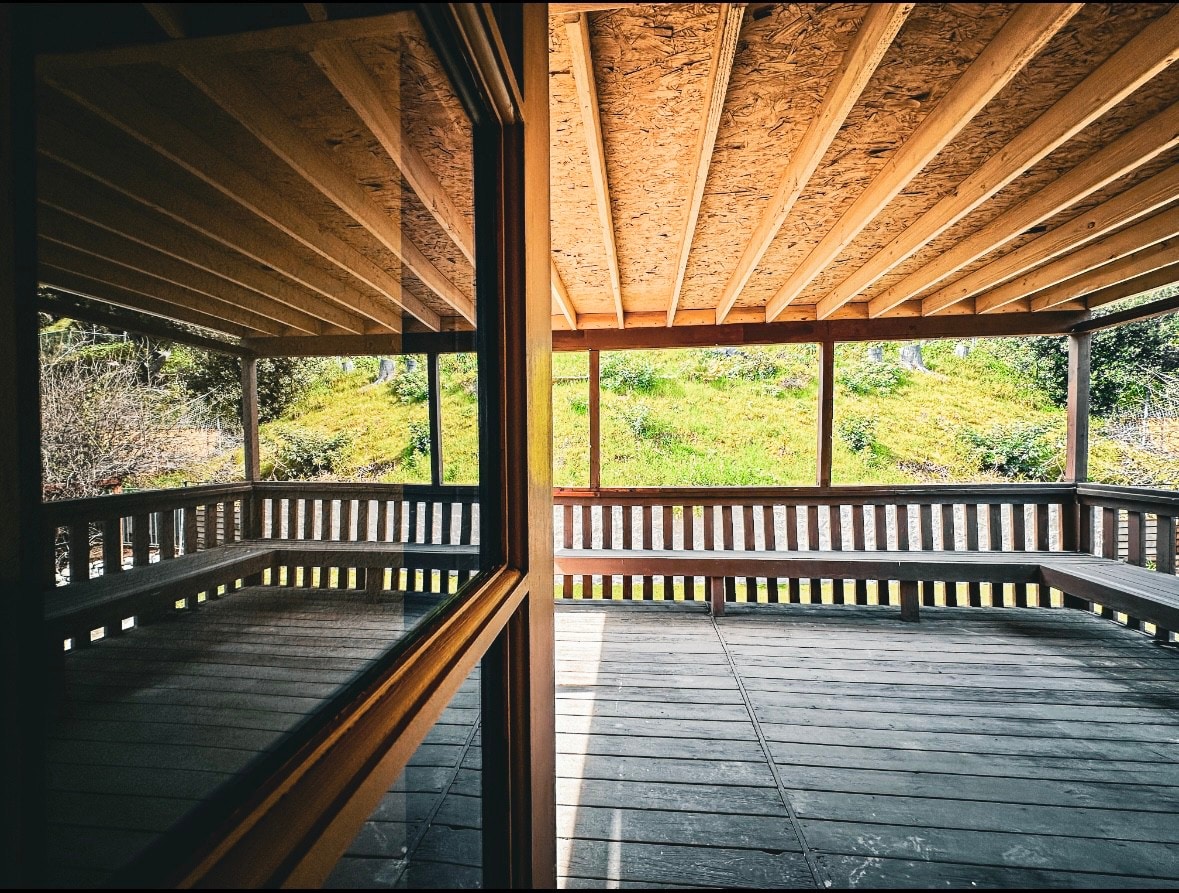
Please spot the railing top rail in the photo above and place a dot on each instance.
(1124, 497)
(905, 494)
(119, 505)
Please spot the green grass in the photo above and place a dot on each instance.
(710, 419)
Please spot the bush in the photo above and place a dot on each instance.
(419, 439)
(410, 386)
(300, 453)
(644, 426)
(459, 374)
(734, 363)
(858, 433)
(867, 378)
(623, 373)
(578, 404)
(1022, 451)
(217, 377)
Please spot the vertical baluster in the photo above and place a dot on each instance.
(949, 524)
(648, 580)
(189, 524)
(880, 531)
(211, 514)
(667, 539)
(346, 515)
(1109, 533)
(814, 587)
(903, 527)
(229, 521)
(1165, 545)
(167, 534)
(974, 590)
(769, 535)
(140, 542)
(112, 546)
(608, 582)
(727, 540)
(628, 543)
(80, 552)
(793, 584)
(567, 544)
(383, 519)
(291, 528)
(688, 526)
(747, 533)
(363, 525)
(1042, 540)
(859, 544)
(1135, 538)
(1085, 528)
(926, 543)
(1019, 541)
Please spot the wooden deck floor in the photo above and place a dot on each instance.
(777, 746)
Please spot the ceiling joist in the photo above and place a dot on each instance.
(1142, 58)
(561, 295)
(1018, 41)
(1142, 262)
(1138, 285)
(875, 35)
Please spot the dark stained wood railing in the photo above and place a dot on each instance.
(1130, 523)
(1009, 517)
(367, 513)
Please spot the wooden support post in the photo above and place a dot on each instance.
(716, 595)
(251, 503)
(27, 660)
(826, 407)
(435, 399)
(1077, 449)
(595, 422)
(910, 603)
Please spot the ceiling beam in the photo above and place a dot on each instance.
(102, 162)
(1138, 147)
(1104, 251)
(582, 63)
(296, 38)
(810, 331)
(561, 295)
(59, 187)
(379, 107)
(100, 268)
(1124, 208)
(1148, 310)
(110, 293)
(122, 107)
(1163, 276)
(64, 229)
(1137, 62)
(876, 33)
(724, 51)
(1018, 41)
(1161, 254)
(241, 100)
(364, 345)
(120, 319)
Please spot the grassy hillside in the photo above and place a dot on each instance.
(716, 417)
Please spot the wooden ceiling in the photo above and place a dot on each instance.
(732, 163)
(297, 171)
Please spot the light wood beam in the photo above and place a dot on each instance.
(102, 162)
(1018, 41)
(1168, 275)
(1137, 62)
(876, 33)
(587, 99)
(109, 293)
(1113, 247)
(110, 100)
(1146, 260)
(242, 101)
(98, 268)
(1133, 204)
(167, 16)
(60, 187)
(1138, 147)
(724, 51)
(561, 295)
(595, 420)
(379, 106)
(63, 229)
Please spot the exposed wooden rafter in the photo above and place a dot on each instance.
(102, 163)
(1018, 41)
(876, 33)
(1151, 231)
(1126, 207)
(242, 101)
(561, 295)
(1142, 58)
(1146, 260)
(1136, 148)
(120, 106)
(1138, 285)
(724, 51)
(167, 16)
(582, 64)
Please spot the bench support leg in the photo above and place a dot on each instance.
(910, 602)
(716, 595)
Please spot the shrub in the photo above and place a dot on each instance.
(625, 373)
(300, 453)
(419, 439)
(868, 378)
(644, 426)
(217, 377)
(1022, 451)
(858, 433)
(410, 386)
(734, 363)
(578, 404)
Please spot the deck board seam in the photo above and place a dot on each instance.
(817, 873)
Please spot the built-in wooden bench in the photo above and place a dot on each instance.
(73, 611)
(1137, 591)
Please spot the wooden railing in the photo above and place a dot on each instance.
(85, 538)
(372, 513)
(1010, 517)
(1130, 523)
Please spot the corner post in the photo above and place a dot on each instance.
(1077, 444)
(250, 452)
(826, 408)
(595, 421)
(435, 398)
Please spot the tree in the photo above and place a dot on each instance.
(217, 377)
